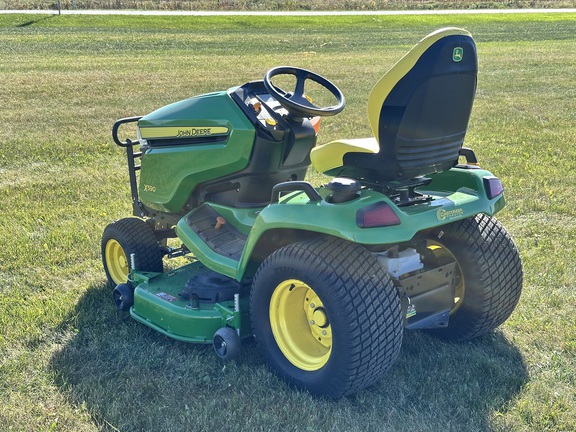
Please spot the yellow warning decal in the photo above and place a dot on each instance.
(182, 132)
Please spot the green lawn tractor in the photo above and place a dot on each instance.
(325, 278)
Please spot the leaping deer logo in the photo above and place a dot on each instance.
(458, 54)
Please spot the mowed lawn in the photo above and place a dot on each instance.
(70, 362)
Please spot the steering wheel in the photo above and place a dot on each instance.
(296, 103)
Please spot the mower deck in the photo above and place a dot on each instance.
(190, 303)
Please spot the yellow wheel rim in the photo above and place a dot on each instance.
(116, 261)
(300, 325)
(441, 253)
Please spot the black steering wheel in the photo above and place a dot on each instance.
(296, 103)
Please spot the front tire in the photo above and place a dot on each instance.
(326, 316)
(125, 237)
(489, 276)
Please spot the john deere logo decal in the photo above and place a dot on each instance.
(457, 54)
(182, 132)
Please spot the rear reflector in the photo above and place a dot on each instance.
(376, 215)
(493, 186)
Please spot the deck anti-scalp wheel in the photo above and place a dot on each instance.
(326, 316)
(226, 343)
(123, 238)
(488, 279)
(123, 296)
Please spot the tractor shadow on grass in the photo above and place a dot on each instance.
(131, 378)
(438, 385)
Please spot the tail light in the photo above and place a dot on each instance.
(376, 215)
(493, 186)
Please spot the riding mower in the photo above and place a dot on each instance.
(326, 279)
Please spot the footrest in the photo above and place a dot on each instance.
(219, 235)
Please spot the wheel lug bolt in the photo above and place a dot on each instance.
(312, 322)
(312, 305)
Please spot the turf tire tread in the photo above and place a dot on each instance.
(374, 328)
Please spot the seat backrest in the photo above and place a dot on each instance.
(419, 110)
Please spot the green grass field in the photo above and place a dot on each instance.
(70, 362)
(309, 5)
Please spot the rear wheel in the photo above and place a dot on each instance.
(123, 238)
(488, 279)
(326, 316)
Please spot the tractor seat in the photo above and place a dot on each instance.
(330, 156)
(418, 112)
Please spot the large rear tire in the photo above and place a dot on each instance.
(125, 237)
(489, 275)
(326, 316)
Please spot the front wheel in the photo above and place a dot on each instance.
(489, 275)
(125, 237)
(326, 316)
